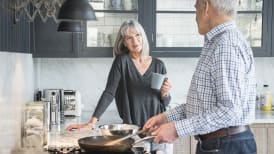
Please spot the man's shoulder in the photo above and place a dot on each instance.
(229, 37)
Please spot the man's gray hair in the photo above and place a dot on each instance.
(228, 7)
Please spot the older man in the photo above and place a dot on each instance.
(221, 99)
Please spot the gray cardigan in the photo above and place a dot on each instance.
(136, 101)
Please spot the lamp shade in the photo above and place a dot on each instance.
(76, 10)
(69, 26)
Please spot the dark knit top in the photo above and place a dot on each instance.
(136, 101)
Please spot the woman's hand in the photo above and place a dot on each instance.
(165, 88)
(79, 126)
(88, 125)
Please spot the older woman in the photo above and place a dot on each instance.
(129, 80)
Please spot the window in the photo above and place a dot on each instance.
(181, 38)
(171, 26)
(101, 34)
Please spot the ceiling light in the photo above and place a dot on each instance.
(70, 26)
(76, 10)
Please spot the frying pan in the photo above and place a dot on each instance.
(98, 143)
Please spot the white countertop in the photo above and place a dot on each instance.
(264, 116)
(260, 117)
(58, 138)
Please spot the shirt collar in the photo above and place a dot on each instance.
(219, 29)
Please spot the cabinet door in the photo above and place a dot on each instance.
(260, 134)
(14, 35)
(175, 30)
(100, 35)
(193, 145)
(270, 139)
(182, 146)
(48, 42)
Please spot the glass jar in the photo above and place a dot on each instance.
(34, 125)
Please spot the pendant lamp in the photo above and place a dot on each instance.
(76, 10)
(70, 26)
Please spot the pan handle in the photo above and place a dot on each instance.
(147, 138)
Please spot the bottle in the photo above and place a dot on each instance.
(54, 110)
(266, 99)
(258, 103)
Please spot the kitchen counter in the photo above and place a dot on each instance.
(264, 117)
(58, 136)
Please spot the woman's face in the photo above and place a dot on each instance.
(133, 41)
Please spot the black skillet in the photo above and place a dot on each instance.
(98, 143)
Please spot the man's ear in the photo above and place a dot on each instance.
(206, 6)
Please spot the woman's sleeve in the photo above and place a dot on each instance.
(110, 90)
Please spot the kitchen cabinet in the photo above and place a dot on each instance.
(101, 34)
(263, 133)
(175, 31)
(98, 39)
(167, 23)
(182, 146)
(14, 34)
(48, 42)
(264, 136)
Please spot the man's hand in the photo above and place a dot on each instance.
(165, 133)
(155, 122)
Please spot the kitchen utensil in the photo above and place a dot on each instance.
(118, 129)
(124, 138)
(147, 138)
(98, 144)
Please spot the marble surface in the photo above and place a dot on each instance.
(264, 117)
(89, 75)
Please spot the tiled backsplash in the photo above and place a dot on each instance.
(89, 75)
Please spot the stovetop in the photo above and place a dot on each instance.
(77, 150)
(67, 143)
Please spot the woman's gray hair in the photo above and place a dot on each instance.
(127, 25)
(228, 7)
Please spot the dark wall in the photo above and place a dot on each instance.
(14, 36)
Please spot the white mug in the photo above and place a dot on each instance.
(157, 80)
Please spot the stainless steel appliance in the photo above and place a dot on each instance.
(55, 97)
(72, 103)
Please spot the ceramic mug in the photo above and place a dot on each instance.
(157, 80)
